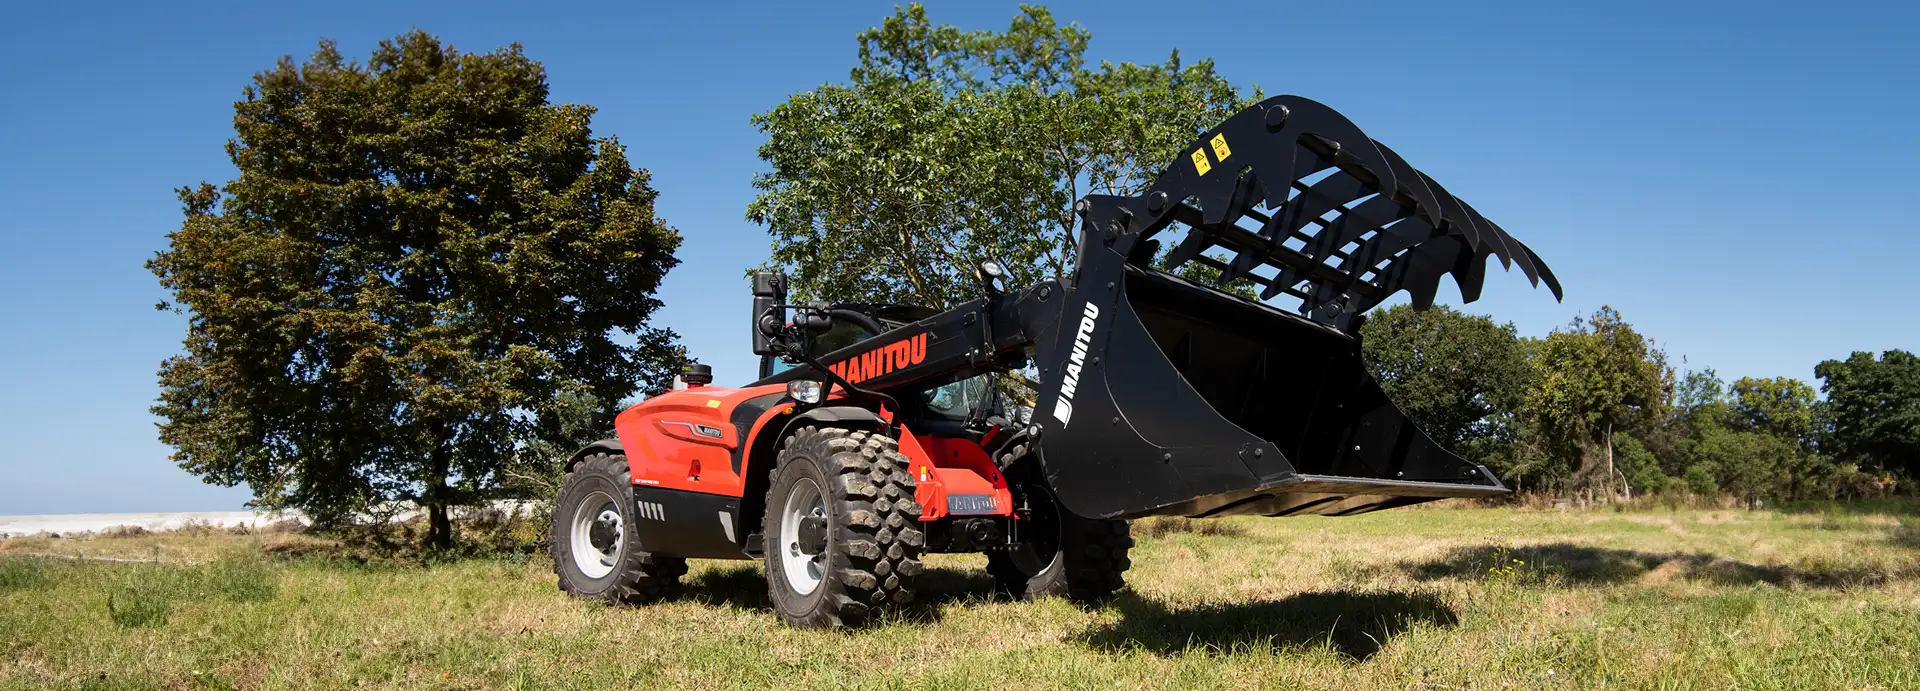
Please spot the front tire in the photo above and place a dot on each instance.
(1064, 555)
(842, 529)
(596, 553)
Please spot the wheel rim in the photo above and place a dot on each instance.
(803, 571)
(598, 535)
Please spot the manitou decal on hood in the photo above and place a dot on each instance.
(1070, 379)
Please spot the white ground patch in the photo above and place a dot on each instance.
(94, 522)
(22, 526)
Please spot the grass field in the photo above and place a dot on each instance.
(1410, 599)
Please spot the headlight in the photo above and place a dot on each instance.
(804, 390)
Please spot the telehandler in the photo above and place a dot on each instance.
(875, 433)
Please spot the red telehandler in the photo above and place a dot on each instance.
(875, 435)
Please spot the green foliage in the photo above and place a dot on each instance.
(1781, 407)
(1640, 467)
(419, 258)
(1873, 407)
(950, 147)
(1591, 379)
(1554, 413)
(1459, 376)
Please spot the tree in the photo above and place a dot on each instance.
(1873, 408)
(1459, 376)
(1591, 379)
(949, 147)
(420, 257)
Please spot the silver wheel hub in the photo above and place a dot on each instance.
(802, 554)
(597, 535)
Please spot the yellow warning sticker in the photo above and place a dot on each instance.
(1220, 150)
(1200, 161)
(713, 403)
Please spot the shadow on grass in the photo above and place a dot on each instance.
(746, 588)
(1356, 625)
(1583, 565)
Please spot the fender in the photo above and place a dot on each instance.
(765, 443)
(841, 414)
(610, 445)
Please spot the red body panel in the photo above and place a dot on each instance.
(685, 439)
(948, 465)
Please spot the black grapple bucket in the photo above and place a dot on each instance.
(1169, 396)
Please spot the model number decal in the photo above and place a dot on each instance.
(969, 504)
(707, 431)
(1070, 379)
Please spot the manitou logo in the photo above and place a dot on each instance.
(1070, 380)
(884, 359)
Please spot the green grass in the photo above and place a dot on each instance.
(1804, 597)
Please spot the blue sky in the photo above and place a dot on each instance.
(1735, 182)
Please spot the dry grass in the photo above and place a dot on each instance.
(1435, 599)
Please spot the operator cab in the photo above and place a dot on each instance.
(958, 408)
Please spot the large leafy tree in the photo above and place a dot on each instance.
(1460, 376)
(1594, 378)
(1761, 444)
(1873, 408)
(419, 257)
(948, 147)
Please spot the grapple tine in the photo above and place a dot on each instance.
(1418, 270)
(1360, 208)
(1491, 241)
(1189, 248)
(1458, 221)
(1469, 273)
(1370, 215)
(1546, 274)
(1518, 258)
(1332, 192)
(1413, 184)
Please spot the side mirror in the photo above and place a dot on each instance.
(769, 291)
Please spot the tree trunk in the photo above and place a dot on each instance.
(1611, 491)
(439, 527)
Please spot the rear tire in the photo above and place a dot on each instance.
(1064, 555)
(861, 552)
(595, 552)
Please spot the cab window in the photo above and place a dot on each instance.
(841, 334)
(961, 399)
